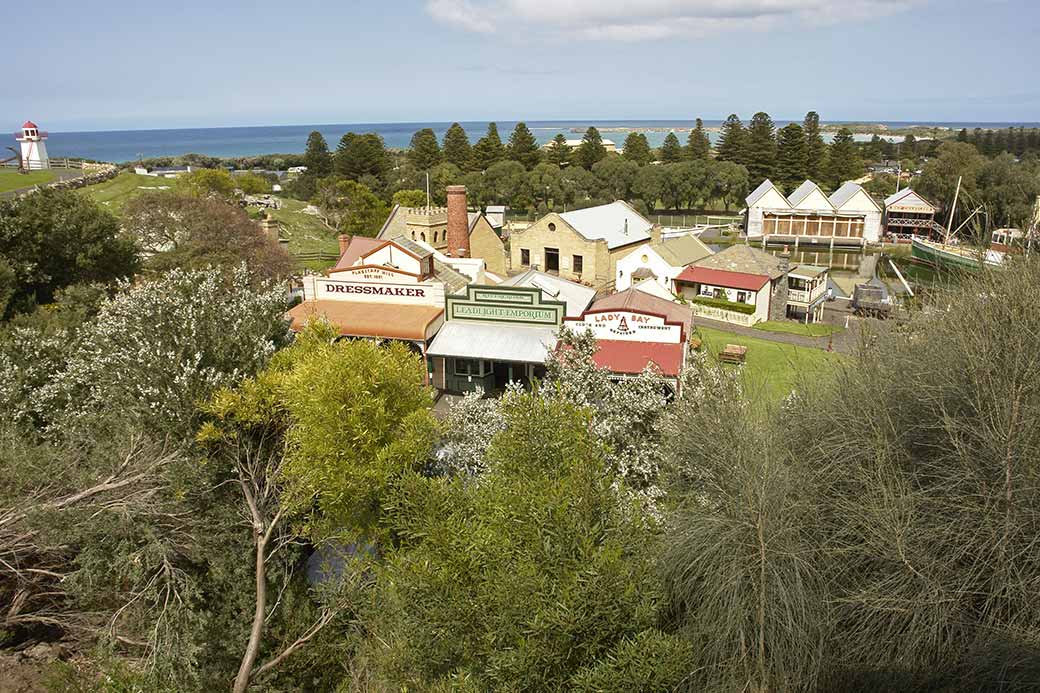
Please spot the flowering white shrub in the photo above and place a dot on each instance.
(469, 427)
(159, 347)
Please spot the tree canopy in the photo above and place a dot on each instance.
(698, 146)
(457, 149)
(424, 152)
(523, 147)
(590, 150)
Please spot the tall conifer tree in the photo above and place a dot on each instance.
(760, 153)
(523, 147)
(489, 149)
(698, 146)
(559, 151)
(671, 150)
(843, 163)
(591, 149)
(317, 158)
(457, 149)
(732, 140)
(815, 148)
(424, 152)
(637, 149)
(790, 157)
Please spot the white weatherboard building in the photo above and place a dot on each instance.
(34, 147)
(660, 262)
(850, 216)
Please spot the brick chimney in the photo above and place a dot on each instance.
(344, 241)
(458, 222)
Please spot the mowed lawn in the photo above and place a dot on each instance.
(10, 179)
(772, 370)
(115, 193)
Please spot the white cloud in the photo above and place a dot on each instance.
(639, 20)
(462, 14)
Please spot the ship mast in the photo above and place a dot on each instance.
(949, 222)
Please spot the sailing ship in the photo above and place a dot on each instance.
(950, 255)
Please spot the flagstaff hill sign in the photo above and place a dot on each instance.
(513, 305)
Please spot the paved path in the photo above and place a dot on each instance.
(842, 342)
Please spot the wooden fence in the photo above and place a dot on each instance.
(63, 162)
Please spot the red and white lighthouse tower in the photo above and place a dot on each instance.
(34, 147)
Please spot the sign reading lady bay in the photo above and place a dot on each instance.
(510, 304)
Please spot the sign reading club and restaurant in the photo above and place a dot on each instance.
(628, 325)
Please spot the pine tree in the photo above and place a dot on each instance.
(815, 149)
(424, 152)
(457, 149)
(637, 149)
(590, 150)
(559, 151)
(843, 162)
(732, 141)
(698, 146)
(760, 153)
(317, 158)
(908, 150)
(358, 156)
(523, 147)
(790, 156)
(671, 151)
(489, 149)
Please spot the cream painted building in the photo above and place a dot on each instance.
(661, 262)
(584, 245)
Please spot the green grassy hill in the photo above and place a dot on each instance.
(10, 179)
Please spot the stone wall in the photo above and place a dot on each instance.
(596, 261)
(778, 303)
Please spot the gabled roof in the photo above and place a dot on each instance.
(909, 198)
(635, 299)
(29, 124)
(848, 191)
(682, 250)
(553, 288)
(743, 258)
(726, 278)
(803, 191)
(617, 223)
(358, 247)
(394, 225)
(759, 192)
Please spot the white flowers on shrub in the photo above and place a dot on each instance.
(159, 347)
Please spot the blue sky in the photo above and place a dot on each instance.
(119, 64)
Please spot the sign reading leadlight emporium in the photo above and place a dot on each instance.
(519, 305)
(494, 335)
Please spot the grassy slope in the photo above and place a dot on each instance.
(819, 329)
(772, 369)
(306, 233)
(10, 179)
(115, 193)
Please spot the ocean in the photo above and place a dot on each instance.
(120, 146)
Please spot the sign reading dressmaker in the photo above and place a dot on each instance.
(628, 325)
(324, 289)
(512, 304)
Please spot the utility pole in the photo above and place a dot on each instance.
(427, 190)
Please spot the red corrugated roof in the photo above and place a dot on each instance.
(28, 124)
(619, 356)
(731, 280)
(359, 245)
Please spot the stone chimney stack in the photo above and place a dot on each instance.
(344, 241)
(458, 222)
(785, 261)
(655, 235)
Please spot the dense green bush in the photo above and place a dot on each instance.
(723, 304)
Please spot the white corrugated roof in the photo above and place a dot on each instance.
(903, 197)
(757, 194)
(609, 223)
(844, 193)
(803, 191)
(497, 341)
(553, 288)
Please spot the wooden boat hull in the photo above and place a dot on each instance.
(942, 256)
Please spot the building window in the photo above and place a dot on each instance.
(552, 226)
(741, 297)
(579, 264)
(525, 257)
(465, 367)
(422, 236)
(720, 293)
(552, 259)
